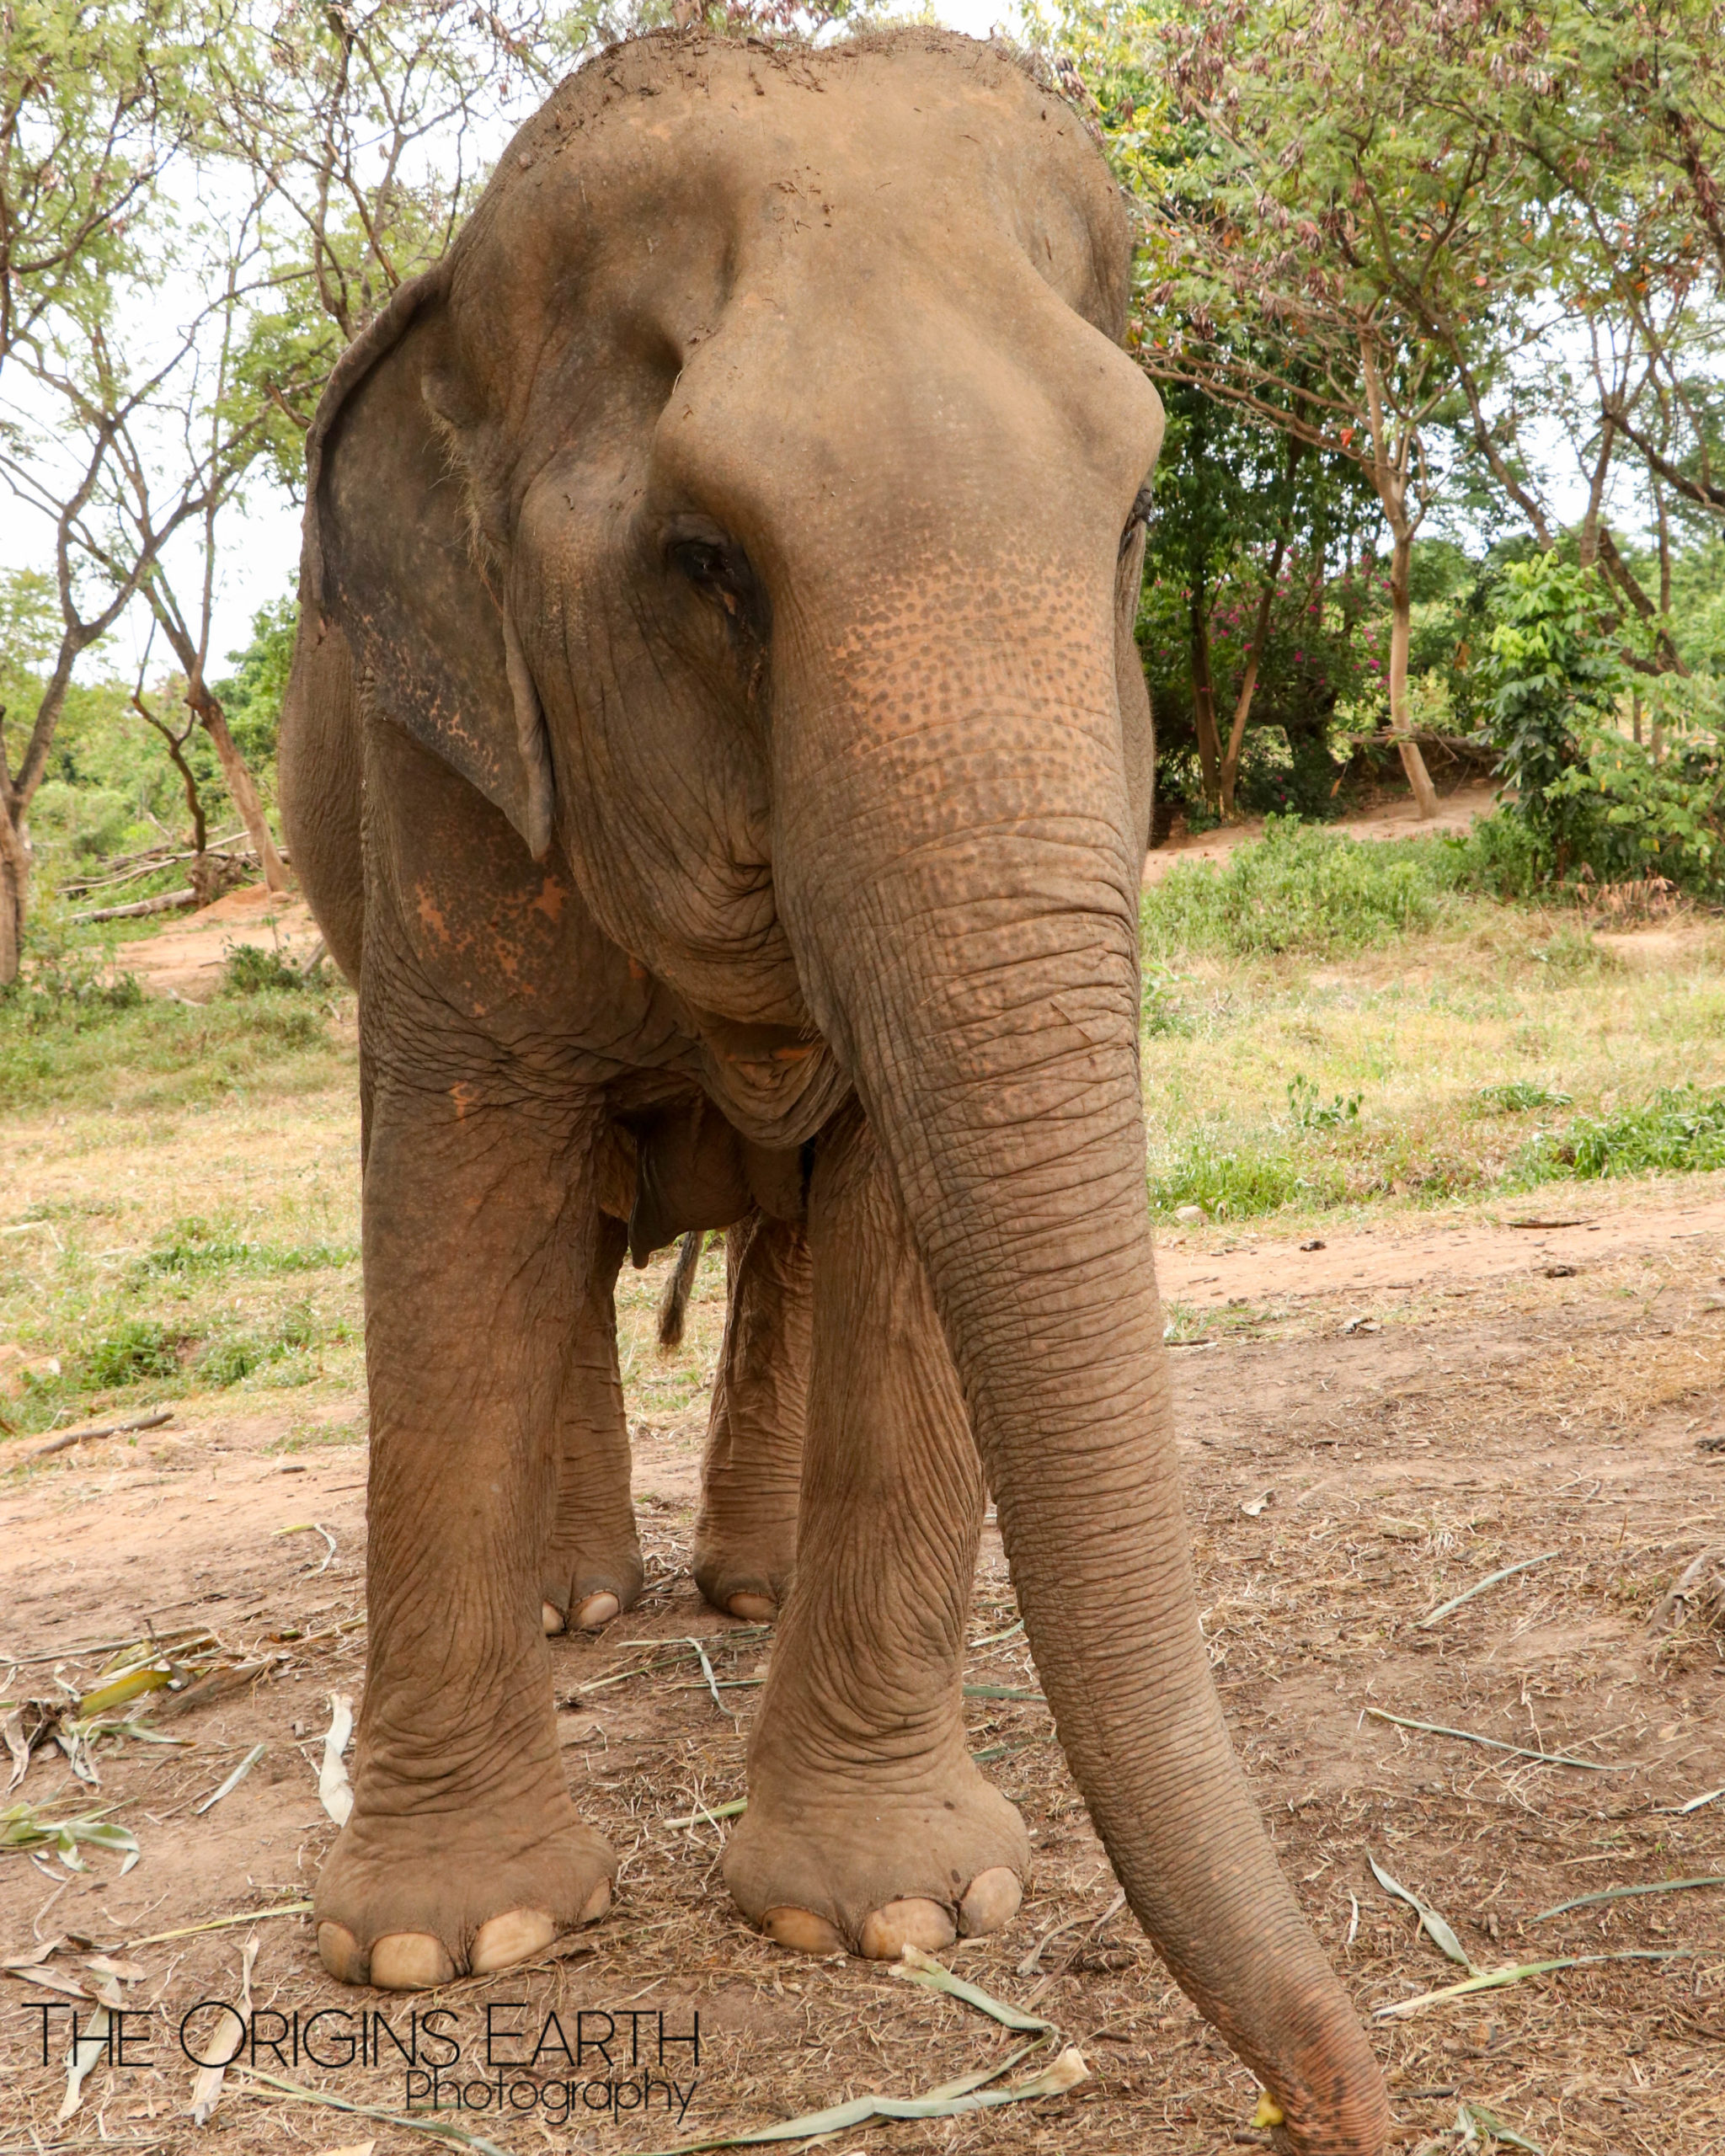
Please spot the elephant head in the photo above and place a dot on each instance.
(763, 484)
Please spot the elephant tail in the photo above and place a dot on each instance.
(679, 1288)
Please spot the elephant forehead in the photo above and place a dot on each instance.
(662, 174)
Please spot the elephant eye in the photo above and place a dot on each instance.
(719, 570)
(1139, 519)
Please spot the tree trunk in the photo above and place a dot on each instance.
(1204, 697)
(242, 787)
(15, 882)
(1248, 679)
(1425, 794)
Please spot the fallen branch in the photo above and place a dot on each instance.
(735, 1810)
(168, 902)
(952, 2099)
(1497, 1744)
(67, 1438)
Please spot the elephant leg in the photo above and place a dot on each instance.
(868, 1825)
(463, 1851)
(746, 1538)
(593, 1562)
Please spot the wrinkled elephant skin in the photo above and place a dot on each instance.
(717, 750)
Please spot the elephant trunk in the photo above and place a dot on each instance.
(961, 886)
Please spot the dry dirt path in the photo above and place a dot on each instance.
(1341, 1485)
(1581, 1226)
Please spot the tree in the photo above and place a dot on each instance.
(140, 453)
(74, 494)
(95, 100)
(1622, 107)
(124, 468)
(1336, 202)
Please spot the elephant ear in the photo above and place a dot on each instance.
(391, 558)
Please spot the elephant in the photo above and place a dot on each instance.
(717, 749)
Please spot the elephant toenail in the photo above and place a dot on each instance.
(551, 1617)
(596, 1903)
(339, 1952)
(753, 1608)
(913, 1922)
(502, 1941)
(409, 1960)
(991, 1901)
(597, 1611)
(803, 1931)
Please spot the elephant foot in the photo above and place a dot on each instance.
(407, 1905)
(741, 1585)
(825, 1872)
(582, 1593)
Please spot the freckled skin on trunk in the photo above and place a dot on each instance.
(1002, 1088)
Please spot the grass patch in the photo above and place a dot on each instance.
(1520, 1096)
(1307, 1166)
(283, 1351)
(1301, 889)
(1680, 1131)
(192, 1246)
(109, 1046)
(140, 1349)
(1242, 1183)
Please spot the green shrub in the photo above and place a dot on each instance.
(1641, 815)
(1159, 1006)
(89, 821)
(1502, 857)
(1298, 889)
(1678, 1131)
(1311, 1112)
(1552, 665)
(142, 1348)
(250, 968)
(1593, 797)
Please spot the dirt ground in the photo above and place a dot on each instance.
(186, 960)
(1370, 1428)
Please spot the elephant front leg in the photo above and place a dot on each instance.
(868, 1825)
(746, 1538)
(593, 1563)
(463, 1851)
